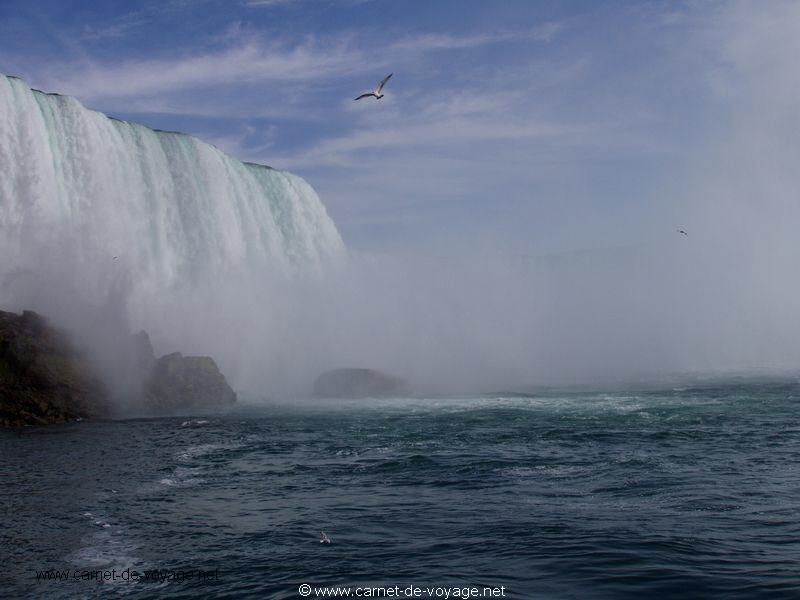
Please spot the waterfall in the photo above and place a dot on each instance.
(171, 206)
(96, 210)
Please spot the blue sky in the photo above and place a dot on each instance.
(528, 127)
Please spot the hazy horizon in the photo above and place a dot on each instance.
(517, 227)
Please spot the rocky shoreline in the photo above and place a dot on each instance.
(45, 379)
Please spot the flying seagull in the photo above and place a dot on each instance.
(377, 93)
(683, 232)
(325, 539)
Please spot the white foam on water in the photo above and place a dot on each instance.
(106, 547)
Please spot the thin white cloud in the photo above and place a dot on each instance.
(454, 133)
(118, 29)
(260, 3)
(273, 3)
(126, 24)
(240, 144)
(246, 58)
(249, 62)
(427, 42)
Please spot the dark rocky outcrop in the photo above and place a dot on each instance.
(43, 379)
(178, 383)
(143, 384)
(355, 383)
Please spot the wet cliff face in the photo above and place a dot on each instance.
(43, 378)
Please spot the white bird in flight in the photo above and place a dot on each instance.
(325, 539)
(377, 93)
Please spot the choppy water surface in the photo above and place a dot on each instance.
(677, 494)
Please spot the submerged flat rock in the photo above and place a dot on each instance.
(355, 383)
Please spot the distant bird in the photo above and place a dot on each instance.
(325, 539)
(683, 232)
(377, 93)
(116, 257)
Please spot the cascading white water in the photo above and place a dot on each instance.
(96, 210)
(170, 206)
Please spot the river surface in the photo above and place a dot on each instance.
(678, 493)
